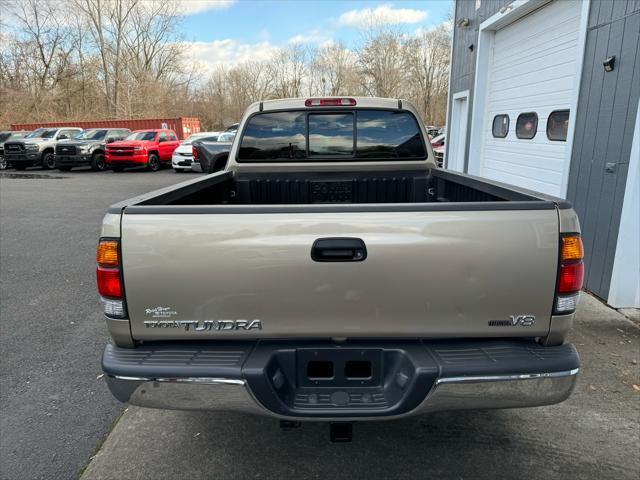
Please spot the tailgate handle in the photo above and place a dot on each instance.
(338, 250)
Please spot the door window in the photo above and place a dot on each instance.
(557, 125)
(527, 125)
(500, 126)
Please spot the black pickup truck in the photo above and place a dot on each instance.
(210, 157)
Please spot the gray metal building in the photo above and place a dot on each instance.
(544, 95)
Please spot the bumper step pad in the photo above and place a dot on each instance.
(356, 379)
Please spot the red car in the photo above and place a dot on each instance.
(143, 148)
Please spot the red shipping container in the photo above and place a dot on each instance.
(183, 126)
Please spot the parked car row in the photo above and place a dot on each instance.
(65, 148)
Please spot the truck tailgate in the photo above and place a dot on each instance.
(426, 274)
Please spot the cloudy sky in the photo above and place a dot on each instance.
(233, 31)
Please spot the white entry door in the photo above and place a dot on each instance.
(455, 155)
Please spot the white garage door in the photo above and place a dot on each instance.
(533, 70)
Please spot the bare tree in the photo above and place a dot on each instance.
(336, 67)
(427, 67)
(288, 70)
(109, 20)
(45, 46)
(125, 58)
(381, 62)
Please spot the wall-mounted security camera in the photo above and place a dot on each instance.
(609, 63)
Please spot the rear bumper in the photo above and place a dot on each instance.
(416, 377)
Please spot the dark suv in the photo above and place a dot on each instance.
(87, 149)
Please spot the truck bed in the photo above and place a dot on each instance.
(431, 189)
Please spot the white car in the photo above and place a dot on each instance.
(182, 157)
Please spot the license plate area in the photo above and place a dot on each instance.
(325, 379)
(339, 367)
(331, 191)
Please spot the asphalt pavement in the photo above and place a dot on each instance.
(53, 410)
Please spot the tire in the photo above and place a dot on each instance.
(97, 162)
(64, 169)
(20, 167)
(49, 161)
(153, 163)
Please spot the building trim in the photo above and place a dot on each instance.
(624, 289)
(445, 162)
(466, 94)
(573, 115)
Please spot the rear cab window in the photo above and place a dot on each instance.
(348, 135)
(331, 134)
(274, 136)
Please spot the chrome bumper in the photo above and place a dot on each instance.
(456, 393)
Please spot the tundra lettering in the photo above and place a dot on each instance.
(205, 325)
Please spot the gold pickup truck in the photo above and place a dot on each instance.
(333, 272)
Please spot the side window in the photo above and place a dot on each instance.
(172, 136)
(162, 137)
(500, 126)
(557, 125)
(527, 125)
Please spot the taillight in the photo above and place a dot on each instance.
(109, 277)
(570, 273)
(330, 102)
(194, 151)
